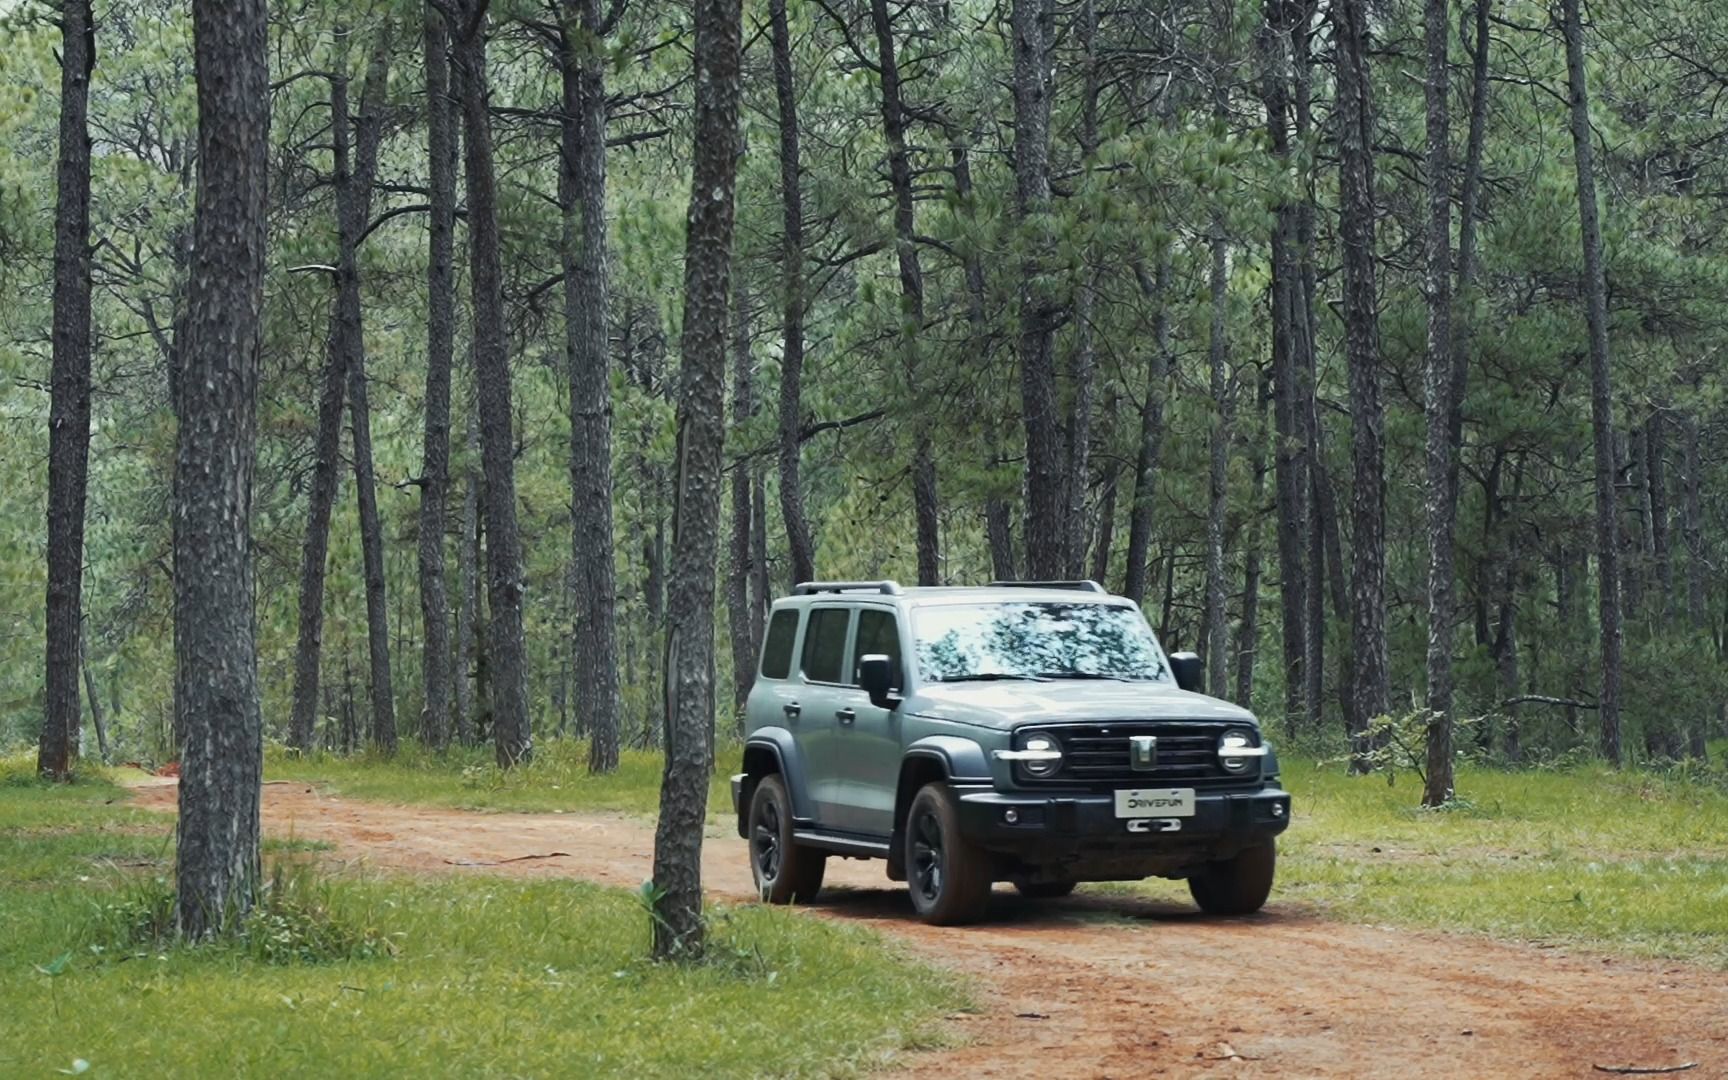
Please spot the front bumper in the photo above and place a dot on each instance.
(1055, 822)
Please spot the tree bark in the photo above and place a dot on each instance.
(1601, 386)
(1082, 371)
(468, 584)
(69, 398)
(1248, 633)
(1437, 405)
(441, 152)
(1044, 531)
(800, 548)
(739, 573)
(582, 182)
(678, 928)
(1155, 289)
(216, 676)
(506, 657)
(1362, 348)
(1218, 475)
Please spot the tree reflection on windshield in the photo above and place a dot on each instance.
(1036, 640)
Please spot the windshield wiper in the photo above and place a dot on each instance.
(1088, 675)
(992, 676)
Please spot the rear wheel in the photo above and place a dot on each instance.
(1045, 890)
(1238, 885)
(785, 871)
(948, 876)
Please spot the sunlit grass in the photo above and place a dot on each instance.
(1630, 861)
(490, 976)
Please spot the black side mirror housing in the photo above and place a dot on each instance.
(876, 677)
(1190, 671)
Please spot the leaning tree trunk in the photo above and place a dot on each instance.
(1368, 696)
(506, 659)
(440, 346)
(583, 194)
(1601, 388)
(801, 549)
(69, 404)
(216, 670)
(678, 928)
(1437, 404)
(1044, 532)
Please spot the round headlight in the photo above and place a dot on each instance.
(1043, 745)
(1235, 750)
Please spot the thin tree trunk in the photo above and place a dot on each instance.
(468, 585)
(800, 548)
(1082, 371)
(505, 587)
(582, 181)
(1218, 492)
(738, 574)
(1437, 404)
(90, 691)
(69, 404)
(1248, 634)
(760, 594)
(1043, 525)
(1154, 288)
(1314, 487)
(216, 676)
(441, 152)
(1106, 522)
(1362, 347)
(1656, 465)
(1506, 640)
(1470, 197)
(1692, 525)
(678, 927)
(1601, 388)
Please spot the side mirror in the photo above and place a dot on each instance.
(876, 677)
(1190, 671)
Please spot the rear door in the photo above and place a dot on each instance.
(871, 735)
(822, 675)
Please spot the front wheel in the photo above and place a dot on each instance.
(1237, 885)
(785, 872)
(948, 876)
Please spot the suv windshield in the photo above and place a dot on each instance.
(960, 642)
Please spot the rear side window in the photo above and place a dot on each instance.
(879, 633)
(825, 644)
(777, 651)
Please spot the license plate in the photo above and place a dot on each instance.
(1155, 803)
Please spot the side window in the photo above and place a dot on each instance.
(777, 650)
(825, 644)
(879, 633)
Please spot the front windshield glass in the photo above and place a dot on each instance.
(960, 642)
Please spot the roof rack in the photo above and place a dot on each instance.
(1078, 586)
(810, 588)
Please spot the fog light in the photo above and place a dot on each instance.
(1277, 809)
(1011, 816)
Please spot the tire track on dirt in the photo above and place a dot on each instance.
(1108, 986)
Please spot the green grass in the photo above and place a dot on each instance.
(469, 779)
(490, 976)
(1631, 862)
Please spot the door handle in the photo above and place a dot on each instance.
(792, 709)
(846, 716)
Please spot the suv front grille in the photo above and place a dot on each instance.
(1097, 753)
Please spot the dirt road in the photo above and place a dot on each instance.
(1112, 987)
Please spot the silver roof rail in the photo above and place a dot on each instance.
(1078, 586)
(811, 588)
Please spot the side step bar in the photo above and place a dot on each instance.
(843, 845)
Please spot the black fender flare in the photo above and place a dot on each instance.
(771, 750)
(951, 758)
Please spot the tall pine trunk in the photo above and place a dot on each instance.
(1601, 388)
(1154, 288)
(69, 406)
(1437, 405)
(678, 928)
(216, 659)
(582, 183)
(1217, 619)
(441, 150)
(506, 658)
(800, 548)
(1368, 690)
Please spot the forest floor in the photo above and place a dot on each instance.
(1108, 983)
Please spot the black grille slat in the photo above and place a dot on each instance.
(1098, 753)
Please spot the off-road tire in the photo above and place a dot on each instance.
(786, 872)
(1238, 885)
(1045, 890)
(948, 876)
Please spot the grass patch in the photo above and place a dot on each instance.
(483, 976)
(469, 779)
(1633, 862)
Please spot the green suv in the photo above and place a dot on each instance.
(1032, 732)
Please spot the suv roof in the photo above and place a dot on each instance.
(997, 592)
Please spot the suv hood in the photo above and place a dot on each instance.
(1011, 703)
